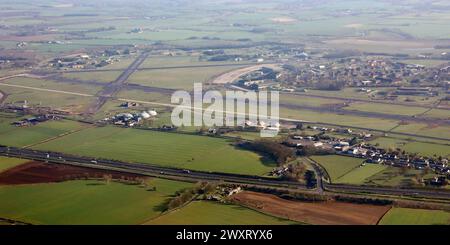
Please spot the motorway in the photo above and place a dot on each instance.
(182, 174)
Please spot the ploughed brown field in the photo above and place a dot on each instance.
(318, 213)
(40, 172)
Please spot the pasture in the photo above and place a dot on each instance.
(358, 176)
(97, 76)
(212, 213)
(409, 216)
(161, 148)
(86, 202)
(22, 136)
(179, 78)
(412, 146)
(338, 166)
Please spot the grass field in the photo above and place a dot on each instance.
(408, 216)
(182, 78)
(22, 136)
(168, 149)
(8, 162)
(99, 76)
(426, 130)
(85, 202)
(345, 120)
(338, 166)
(423, 148)
(359, 175)
(210, 213)
(394, 177)
(385, 108)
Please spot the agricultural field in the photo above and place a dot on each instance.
(359, 175)
(211, 213)
(397, 177)
(385, 108)
(86, 202)
(338, 166)
(159, 62)
(178, 78)
(344, 120)
(8, 162)
(409, 216)
(166, 149)
(24, 136)
(412, 146)
(423, 129)
(97, 76)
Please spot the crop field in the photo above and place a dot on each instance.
(315, 213)
(167, 149)
(211, 213)
(8, 162)
(23, 136)
(86, 202)
(409, 216)
(338, 166)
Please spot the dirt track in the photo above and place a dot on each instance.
(39, 172)
(321, 213)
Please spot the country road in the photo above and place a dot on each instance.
(166, 172)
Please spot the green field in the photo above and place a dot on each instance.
(210, 213)
(86, 202)
(409, 216)
(98, 76)
(395, 177)
(359, 175)
(385, 108)
(8, 162)
(338, 166)
(181, 78)
(167, 149)
(411, 146)
(22, 136)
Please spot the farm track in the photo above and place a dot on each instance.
(194, 176)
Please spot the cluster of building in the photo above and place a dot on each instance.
(131, 119)
(371, 153)
(259, 79)
(358, 72)
(90, 61)
(35, 120)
